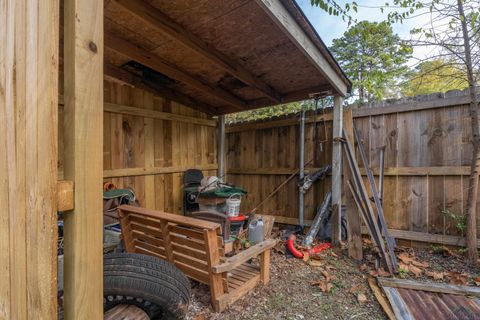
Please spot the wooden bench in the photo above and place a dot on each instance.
(196, 247)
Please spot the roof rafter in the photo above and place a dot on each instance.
(161, 22)
(284, 20)
(154, 62)
(134, 80)
(321, 91)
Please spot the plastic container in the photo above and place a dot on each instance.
(236, 224)
(233, 205)
(255, 231)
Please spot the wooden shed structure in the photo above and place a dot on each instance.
(126, 90)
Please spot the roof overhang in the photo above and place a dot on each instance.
(219, 56)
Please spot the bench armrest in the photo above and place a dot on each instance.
(242, 257)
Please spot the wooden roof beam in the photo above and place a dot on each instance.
(284, 20)
(291, 96)
(154, 62)
(136, 81)
(161, 22)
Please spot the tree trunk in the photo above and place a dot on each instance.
(475, 165)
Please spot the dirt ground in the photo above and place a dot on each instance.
(294, 291)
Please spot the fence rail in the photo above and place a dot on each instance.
(427, 157)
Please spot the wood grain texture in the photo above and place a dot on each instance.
(28, 161)
(427, 150)
(280, 15)
(83, 162)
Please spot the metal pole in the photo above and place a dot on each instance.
(221, 147)
(301, 167)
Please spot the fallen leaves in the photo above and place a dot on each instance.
(362, 298)
(420, 264)
(316, 263)
(355, 288)
(457, 278)
(379, 273)
(435, 275)
(409, 264)
(324, 284)
(477, 281)
(405, 258)
(280, 247)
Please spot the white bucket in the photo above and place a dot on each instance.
(233, 205)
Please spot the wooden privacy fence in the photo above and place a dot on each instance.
(428, 151)
(149, 142)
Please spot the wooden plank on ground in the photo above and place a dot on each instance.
(430, 286)
(426, 237)
(387, 308)
(126, 312)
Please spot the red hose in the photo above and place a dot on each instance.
(298, 254)
(291, 247)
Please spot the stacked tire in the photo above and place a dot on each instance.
(154, 285)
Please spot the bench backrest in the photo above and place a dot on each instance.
(193, 245)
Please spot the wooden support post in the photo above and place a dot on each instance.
(166, 238)
(221, 147)
(28, 158)
(337, 170)
(354, 221)
(83, 64)
(265, 266)
(216, 281)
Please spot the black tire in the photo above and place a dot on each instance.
(155, 285)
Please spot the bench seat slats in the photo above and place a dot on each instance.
(197, 248)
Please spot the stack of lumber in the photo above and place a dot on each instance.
(374, 219)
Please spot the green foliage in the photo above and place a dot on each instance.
(402, 273)
(373, 57)
(406, 8)
(434, 76)
(460, 220)
(276, 111)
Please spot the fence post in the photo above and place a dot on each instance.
(337, 170)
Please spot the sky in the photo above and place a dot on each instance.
(332, 27)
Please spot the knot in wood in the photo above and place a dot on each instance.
(92, 46)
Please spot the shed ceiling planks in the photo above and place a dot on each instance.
(28, 161)
(163, 23)
(228, 54)
(281, 16)
(150, 60)
(169, 93)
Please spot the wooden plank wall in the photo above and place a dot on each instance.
(432, 140)
(261, 159)
(28, 144)
(149, 154)
(428, 152)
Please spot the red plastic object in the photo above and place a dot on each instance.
(298, 254)
(291, 247)
(240, 217)
(320, 247)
